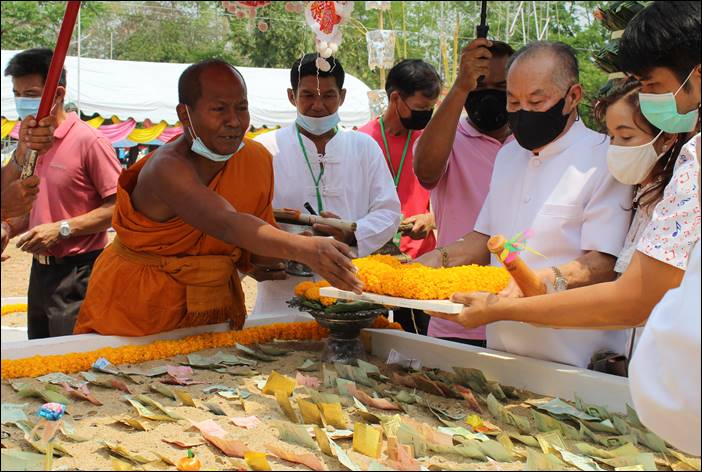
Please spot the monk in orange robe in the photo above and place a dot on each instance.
(193, 214)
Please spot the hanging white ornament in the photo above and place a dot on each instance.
(378, 102)
(381, 48)
(383, 6)
(322, 64)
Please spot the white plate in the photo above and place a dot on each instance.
(441, 306)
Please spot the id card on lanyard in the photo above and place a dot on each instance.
(395, 173)
(318, 179)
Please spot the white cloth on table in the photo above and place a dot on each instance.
(567, 196)
(356, 185)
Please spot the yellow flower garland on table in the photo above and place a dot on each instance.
(69, 363)
(14, 308)
(385, 275)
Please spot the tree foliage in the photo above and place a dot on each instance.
(188, 31)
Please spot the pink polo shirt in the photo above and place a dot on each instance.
(77, 173)
(456, 201)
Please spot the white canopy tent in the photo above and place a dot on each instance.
(149, 90)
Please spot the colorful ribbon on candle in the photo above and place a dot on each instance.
(516, 245)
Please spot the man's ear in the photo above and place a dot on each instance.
(183, 118)
(576, 95)
(343, 97)
(60, 94)
(291, 97)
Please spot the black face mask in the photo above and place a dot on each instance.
(535, 129)
(487, 109)
(419, 119)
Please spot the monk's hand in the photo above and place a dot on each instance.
(347, 237)
(480, 309)
(18, 196)
(267, 268)
(331, 259)
(39, 239)
(422, 225)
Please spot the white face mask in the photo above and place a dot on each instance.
(631, 164)
(318, 126)
(198, 147)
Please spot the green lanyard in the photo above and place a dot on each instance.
(316, 180)
(395, 175)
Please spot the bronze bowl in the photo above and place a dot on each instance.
(343, 344)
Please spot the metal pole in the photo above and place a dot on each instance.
(382, 68)
(78, 73)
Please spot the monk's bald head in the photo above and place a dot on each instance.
(201, 74)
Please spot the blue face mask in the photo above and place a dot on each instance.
(661, 110)
(27, 106)
(317, 126)
(199, 148)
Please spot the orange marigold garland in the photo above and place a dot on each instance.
(69, 363)
(386, 275)
(14, 308)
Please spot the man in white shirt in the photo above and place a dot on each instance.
(342, 174)
(554, 180)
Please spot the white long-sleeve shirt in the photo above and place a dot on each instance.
(664, 374)
(356, 185)
(568, 197)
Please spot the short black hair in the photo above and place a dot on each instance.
(189, 87)
(308, 66)
(413, 75)
(501, 49)
(566, 75)
(33, 61)
(664, 34)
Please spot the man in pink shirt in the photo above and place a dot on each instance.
(413, 87)
(68, 222)
(454, 157)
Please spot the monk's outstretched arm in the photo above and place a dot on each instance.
(178, 186)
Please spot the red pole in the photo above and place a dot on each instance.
(54, 74)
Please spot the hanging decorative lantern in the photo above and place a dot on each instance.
(243, 9)
(381, 48)
(378, 102)
(294, 7)
(325, 20)
(382, 6)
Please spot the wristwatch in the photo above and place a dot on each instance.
(64, 230)
(559, 282)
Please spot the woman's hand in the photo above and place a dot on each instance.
(481, 308)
